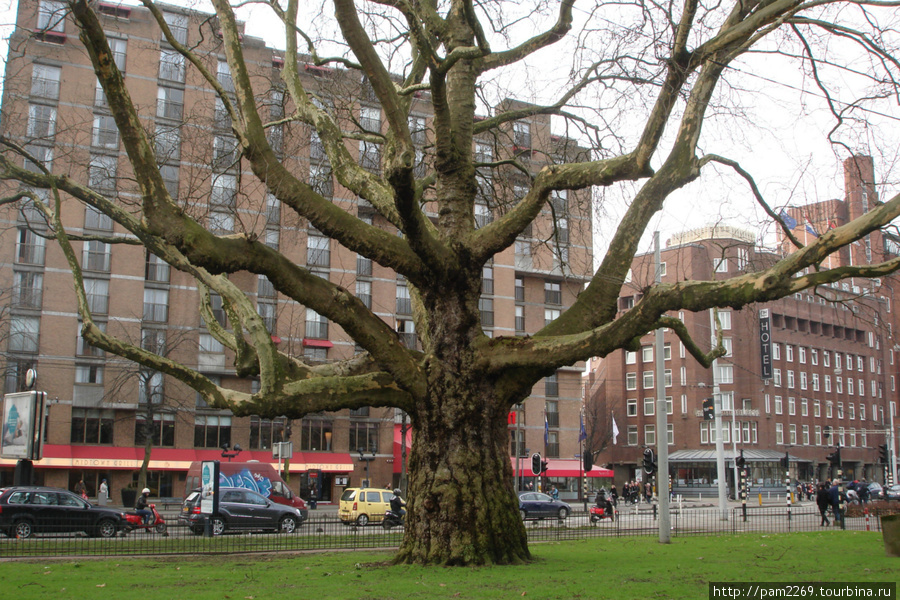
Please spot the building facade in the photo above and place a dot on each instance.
(802, 375)
(105, 413)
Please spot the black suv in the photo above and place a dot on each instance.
(241, 509)
(26, 510)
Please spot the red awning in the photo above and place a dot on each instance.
(317, 343)
(562, 467)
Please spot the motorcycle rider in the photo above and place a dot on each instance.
(397, 504)
(140, 507)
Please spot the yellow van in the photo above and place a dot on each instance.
(364, 505)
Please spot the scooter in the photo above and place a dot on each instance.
(391, 519)
(598, 513)
(135, 521)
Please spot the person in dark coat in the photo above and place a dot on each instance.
(823, 501)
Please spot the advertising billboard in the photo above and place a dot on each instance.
(23, 425)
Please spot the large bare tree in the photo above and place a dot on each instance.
(643, 78)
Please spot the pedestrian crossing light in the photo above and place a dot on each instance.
(883, 454)
(709, 409)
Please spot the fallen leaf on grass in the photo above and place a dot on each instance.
(101, 585)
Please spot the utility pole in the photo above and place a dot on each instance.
(662, 421)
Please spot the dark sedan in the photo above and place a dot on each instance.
(535, 505)
(25, 511)
(893, 492)
(241, 509)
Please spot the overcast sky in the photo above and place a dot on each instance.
(786, 148)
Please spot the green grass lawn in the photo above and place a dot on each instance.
(619, 569)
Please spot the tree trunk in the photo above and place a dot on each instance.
(463, 508)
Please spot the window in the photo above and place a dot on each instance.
(630, 357)
(370, 119)
(267, 311)
(370, 156)
(102, 173)
(550, 315)
(552, 292)
(840, 410)
(647, 354)
(801, 355)
(224, 191)
(89, 374)
(792, 406)
(315, 434)
(156, 269)
(225, 152)
(220, 222)
(363, 266)
(814, 356)
(316, 325)
(27, 289)
(119, 48)
(171, 66)
(648, 380)
(169, 175)
(523, 255)
(364, 292)
(92, 426)
(815, 382)
(649, 435)
(318, 253)
(720, 265)
(789, 353)
(97, 292)
(551, 386)
(779, 433)
(486, 308)
(154, 340)
(632, 435)
(158, 428)
(45, 82)
(631, 381)
(178, 25)
(156, 305)
(23, 333)
(724, 373)
(404, 302)
(417, 130)
(320, 179)
(520, 320)
(169, 103)
(41, 121)
(211, 431)
(223, 75)
(263, 432)
(30, 247)
(95, 256)
(803, 380)
(42, 154)
(793, 434)
(790, 379)
(521, 135)
(520, 289)
(94, 219)
(406, 330)
(167, 142)
(725, 319)
(363, 435)
(804, 407)
(207, 344)
(51, 15)
(150, 387)
(778, 405)
(649, 407)
(631, 407)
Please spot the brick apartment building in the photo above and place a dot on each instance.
(102, 408)
(832, 350)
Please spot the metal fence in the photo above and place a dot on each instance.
(324, 531)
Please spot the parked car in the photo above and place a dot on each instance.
(26, 510)
(876, 492)
(893, 492)
(364, 505)
(241, 509)
(535, 505)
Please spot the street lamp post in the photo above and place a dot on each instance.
(229, 455)
(367, 458)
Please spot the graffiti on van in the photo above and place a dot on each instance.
(247, 480)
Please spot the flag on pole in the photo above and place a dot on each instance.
(582, 435)
(615, 430)
(546, 430)
(789, 221)
(810, 229)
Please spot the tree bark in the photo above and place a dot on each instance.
(463, 508)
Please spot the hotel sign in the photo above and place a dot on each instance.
(765, 344)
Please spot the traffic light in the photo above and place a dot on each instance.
(649, 462)
(741, 461)
(709, 409)
(588, 460)
(827, 432)
(544, 466)
(835, 457)
(536, 464)
(786, 461)
(883, 454)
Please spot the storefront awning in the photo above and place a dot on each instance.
(399, 443)
(562, 467)
(129, 458)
